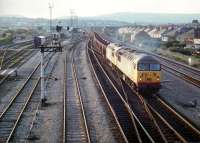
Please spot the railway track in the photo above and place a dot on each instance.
(171, 117)
(77, 130)
(34, 106)
(169, 133)
(12, 54)
(64, 100)
(118, 110)
(185, 76)
(139, 109)
(185, 72)
(159, 132)
(16, 45)
(172, 125)
(167, 118)
(129, 124)
(12, 60)
(11, 114)
(20, 61)
(183, 67)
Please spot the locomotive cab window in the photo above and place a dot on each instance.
(155, 67)
(143, 67)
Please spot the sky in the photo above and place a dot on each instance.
(61, 8)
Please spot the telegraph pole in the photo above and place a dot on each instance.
(76, 20)
(50, 14)
(71, 17)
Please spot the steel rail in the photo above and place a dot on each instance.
(146, 109)
(104, 94)
(21, 112)
(74, 69)
(179, 125)
(186, 77)
(5, 77)
(21, 52)
(187, 67)
(20, 90)
(183, 76)
(64, 101)
(179, 116)
(166, 123)
(125, 103)
(24, 105)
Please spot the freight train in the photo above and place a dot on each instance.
(139, 70)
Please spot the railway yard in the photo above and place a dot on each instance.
(88, 101)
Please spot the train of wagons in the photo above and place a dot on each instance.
(139, 70)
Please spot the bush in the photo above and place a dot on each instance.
(6, 40)
(174, 44)
(187, 52)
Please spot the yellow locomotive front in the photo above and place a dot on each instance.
(138, 69)
(148, 75)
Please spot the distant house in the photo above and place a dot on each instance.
(152, 32)
(142, 35)
(189, 43)
(183, 36)
(165, 38)
(195, 21)
(197, 33)
(160, 33)
(147, 30)
(169, 35)
(135, 32)
(197, 43)
(192, 38)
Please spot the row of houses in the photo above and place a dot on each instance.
(188, 34)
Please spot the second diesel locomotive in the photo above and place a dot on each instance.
(138, 69)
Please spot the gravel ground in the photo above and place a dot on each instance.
(180, 95)
(10, 87)
(75, 127)
(23, 129)
(48, 124)
(101, 123)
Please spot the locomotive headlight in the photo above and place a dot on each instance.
(158, 78)
(140, 79)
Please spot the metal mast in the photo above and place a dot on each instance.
(71, 17)
(50, 14)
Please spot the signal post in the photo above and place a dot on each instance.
(48, 48)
